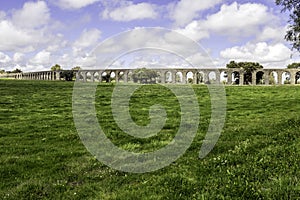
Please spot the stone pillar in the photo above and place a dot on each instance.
(293, 78)
(279, 73)
(92, 76)
(125, 76)
(267, 78)
(194, 77)
(218, 77)
(241, 78)
(173, 76)
(254, 78)
(100, 76)
(229, 77)
(77, 76)
(117, 76)
(163, 77)
(184, 77)
(58, 75)
(204, 77)
(84, 75)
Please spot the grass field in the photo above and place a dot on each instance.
(42, 156)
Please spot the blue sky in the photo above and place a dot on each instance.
(34, 35)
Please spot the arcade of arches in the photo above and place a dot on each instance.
(181, 76)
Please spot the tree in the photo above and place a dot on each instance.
(293, 33)
(67, 75)
(144, 76)
(294, 66)
(248, 68)
(77, 68)
(2, 71)
(56, 68)
(16, 71)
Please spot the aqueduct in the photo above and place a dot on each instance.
(170, 75)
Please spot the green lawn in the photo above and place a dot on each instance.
(42, 156)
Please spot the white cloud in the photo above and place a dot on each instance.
(167, 47)
(236, 21)
(85, 62)
(2, 15)
(4, 58)
(32, 15)
(27, 29)
(74, 4)
(34, 68)
(195, 30)
(12, 38)
(272, 33)
(131, 12)
(240, 19)
(88, 38)
(268, 55)
(203, 60)
(187, 10)
(41, 58)
(19, 57)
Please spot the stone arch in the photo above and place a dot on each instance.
(113, 76)
(105, 77)
(121, 76)
(248, 79)
(286, 77)
(179, 77)
(200, 77)
(48, 75)
(224, 77)
(190, 77)
(89, 77)
(297, 78)
(235, 77)
(82, 76)
(97, 77)
(130, 78)
(273, 78)
(212, 77)
(159, 77)
(260, 78)
(168, 77)
(60, 76)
